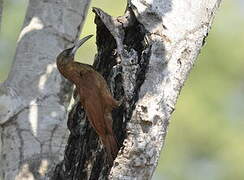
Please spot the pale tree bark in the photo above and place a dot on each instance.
(145, 56)
(34, 98)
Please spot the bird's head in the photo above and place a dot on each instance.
(67, 55)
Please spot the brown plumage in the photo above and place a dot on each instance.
(94, 96)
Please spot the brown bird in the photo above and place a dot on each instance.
(94, 95)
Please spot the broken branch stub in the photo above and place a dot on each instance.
(145, 56)
(122, 59)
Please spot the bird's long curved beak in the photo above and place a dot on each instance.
(79, 43)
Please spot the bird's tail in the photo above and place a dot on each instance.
(111, 147)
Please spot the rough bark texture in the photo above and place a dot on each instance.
(34, 98)
(145, 56)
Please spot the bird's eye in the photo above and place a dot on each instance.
(66, 53)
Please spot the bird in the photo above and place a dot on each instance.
(94, 95)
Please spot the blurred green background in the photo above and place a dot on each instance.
(206, 133)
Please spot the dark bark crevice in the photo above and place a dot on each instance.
(122, 59)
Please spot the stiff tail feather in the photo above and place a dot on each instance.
(111, 147)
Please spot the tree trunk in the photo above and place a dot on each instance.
(34, 98)
(145, 56)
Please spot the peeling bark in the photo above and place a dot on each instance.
(145, 56)
(84, 155)
(34, 98)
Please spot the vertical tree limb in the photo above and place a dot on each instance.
(34, 98)
(145, 56)
(176, 33)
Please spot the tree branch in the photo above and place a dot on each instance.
(34, 98)
(146, 57)
(176, 38)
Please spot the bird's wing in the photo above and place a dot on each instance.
(98, 115)
(93, 104)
